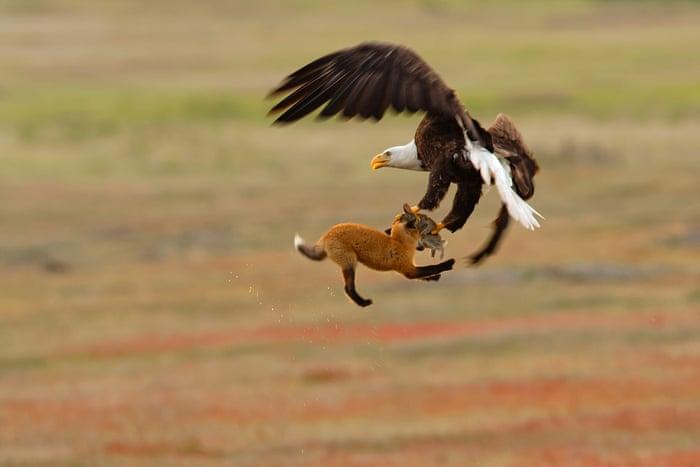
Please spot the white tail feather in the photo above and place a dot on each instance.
(494, 169)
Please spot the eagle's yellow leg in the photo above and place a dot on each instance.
(415, 209)
(438, 227)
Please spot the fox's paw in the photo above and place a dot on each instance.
(435, 278)
(448, 264)
(365, 303)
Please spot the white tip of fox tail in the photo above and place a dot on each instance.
(298, 241)
(493, 170)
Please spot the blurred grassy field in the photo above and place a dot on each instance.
(153, 311)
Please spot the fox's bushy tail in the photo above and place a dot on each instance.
(314, 252)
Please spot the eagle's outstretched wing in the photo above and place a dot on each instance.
(365, 81)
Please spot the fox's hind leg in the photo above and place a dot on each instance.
(349, 276)
(347, 260)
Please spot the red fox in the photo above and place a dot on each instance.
(348, 244)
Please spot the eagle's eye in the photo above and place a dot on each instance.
(388, 153)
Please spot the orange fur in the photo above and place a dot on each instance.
(347, 244)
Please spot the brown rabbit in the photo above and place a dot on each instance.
(348, 244)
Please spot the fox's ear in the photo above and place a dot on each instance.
(407, 208)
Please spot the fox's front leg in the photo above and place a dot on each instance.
(349, 276)
(435, 278)
(422, 272)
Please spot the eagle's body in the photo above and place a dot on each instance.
(438, 142)
(436, 138)
(367, 79)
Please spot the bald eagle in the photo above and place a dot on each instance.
(367, 79)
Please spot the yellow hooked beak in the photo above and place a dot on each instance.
(379, 161)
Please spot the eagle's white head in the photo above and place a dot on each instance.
(400, 157)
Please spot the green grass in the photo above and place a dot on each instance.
(80, 114)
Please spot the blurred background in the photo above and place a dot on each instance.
(153, 311)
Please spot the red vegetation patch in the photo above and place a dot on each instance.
(666, 418)
(57, 413)
(625, 420)
(568, 456)
(572, 400)
(325, 374)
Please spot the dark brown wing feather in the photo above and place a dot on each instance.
(365, 81)
(507, 137)
(509, 142)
